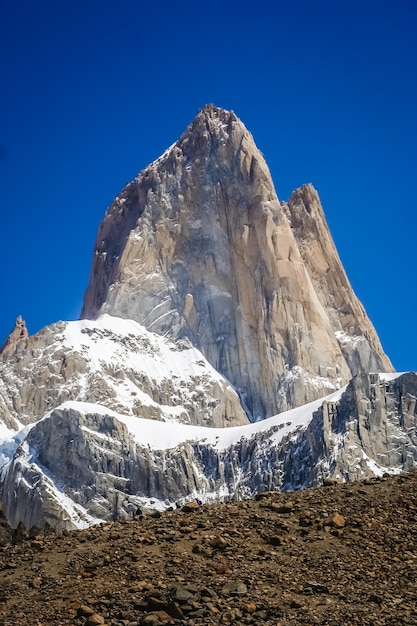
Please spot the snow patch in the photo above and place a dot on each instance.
(377, 470)
(388, 376)
(126, 344)
(344, 339)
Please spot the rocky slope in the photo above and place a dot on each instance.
(342, 554)
(198, 245)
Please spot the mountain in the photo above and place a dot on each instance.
(199, 246)
(221, 352)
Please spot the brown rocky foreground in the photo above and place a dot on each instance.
(342, 554)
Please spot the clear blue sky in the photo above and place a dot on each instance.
(94, 90)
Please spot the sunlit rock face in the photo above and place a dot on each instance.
(199, 246)
(357, 338)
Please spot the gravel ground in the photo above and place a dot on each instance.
(340, 555)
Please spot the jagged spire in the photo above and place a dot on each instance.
(18, 333)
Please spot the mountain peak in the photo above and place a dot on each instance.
(212, 128)
(217, 114)
(200, 247)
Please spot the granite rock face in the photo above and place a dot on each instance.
(199, 246)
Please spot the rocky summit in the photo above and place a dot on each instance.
(221, 353)
(339, 555)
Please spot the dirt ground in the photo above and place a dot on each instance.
(340, 555)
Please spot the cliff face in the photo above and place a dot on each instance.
(199, 246)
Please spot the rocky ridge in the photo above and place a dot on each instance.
(117, 364)
(341, 554)
(365, 429)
